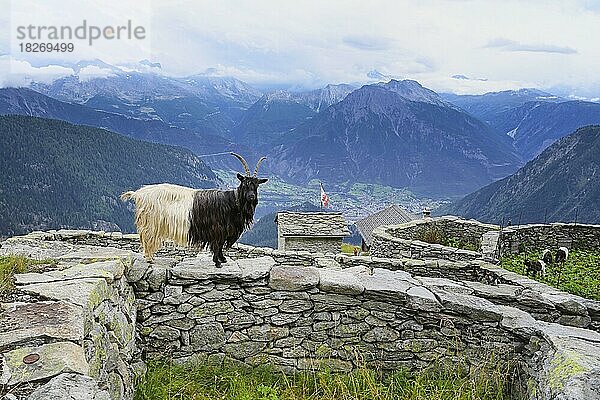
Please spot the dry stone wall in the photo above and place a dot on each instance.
(493, 242)
(69, 331)
(255, 311)
(475, 276)
(550, 236)
(302, 311)
(397, 241)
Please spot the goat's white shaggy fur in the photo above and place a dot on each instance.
(162, 212)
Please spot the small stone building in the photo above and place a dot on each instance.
(312, 231)
(393, 215)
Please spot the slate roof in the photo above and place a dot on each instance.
(316, 224)
(393, 215)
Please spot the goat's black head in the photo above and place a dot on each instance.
(248, 188)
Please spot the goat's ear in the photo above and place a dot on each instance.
(262, 180)
(240, 177)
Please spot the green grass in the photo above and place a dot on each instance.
(11, 265)
(435, 235)
(348, 248)
(167, 381)
(580, 274)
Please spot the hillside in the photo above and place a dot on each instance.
(58, 175)
(269, 118)
(562, 181)
(544, 123)
(24, 101)
(398, 134)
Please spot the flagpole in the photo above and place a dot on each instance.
(321, 197)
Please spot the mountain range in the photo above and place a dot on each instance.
(398, 134)
(59, 175)
(533, 118)
(561, 184)
(206, 104)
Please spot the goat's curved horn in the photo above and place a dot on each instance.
(258, 165)
(244, 163)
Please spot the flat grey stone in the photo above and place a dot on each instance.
(328, 262)
(211, 309)
(561, 331)
(421, 298)
(208, 336)
(572, 371)
(88, 292)
(22, 322)
(163, 332)
(444, 284)
(387, 283)
(70, 386)
(136, 270)
(39, 250)
(381, 334)
(501, 291)
(203, 268)
(567, 303)
(54, 359)
(94, 253)
(109, 270)
(535, 299)
(255, 268)
(244, 349)
(341, 282)
(474, 307)
(293, 278)
(515, 319)
(267, 333)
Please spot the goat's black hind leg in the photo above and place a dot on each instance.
(222, 256)
(216, 259)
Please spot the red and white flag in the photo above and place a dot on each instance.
(324, 197)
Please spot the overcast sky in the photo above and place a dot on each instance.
(469, 46)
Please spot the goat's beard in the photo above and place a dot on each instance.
(247, 211)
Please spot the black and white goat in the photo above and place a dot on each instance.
(209, 218)
(561, 255)
(547, 257)
(534, 267)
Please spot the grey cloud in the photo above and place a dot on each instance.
(511, 45)
(466, 78)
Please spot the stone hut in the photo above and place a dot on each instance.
(393, 215)
(312, 231)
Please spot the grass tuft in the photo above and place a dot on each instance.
(168, 381)
(580, 274)
(11, 265)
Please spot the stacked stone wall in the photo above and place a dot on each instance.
(302, 311)
(406, 240)
(72, 327)
(550, 236)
